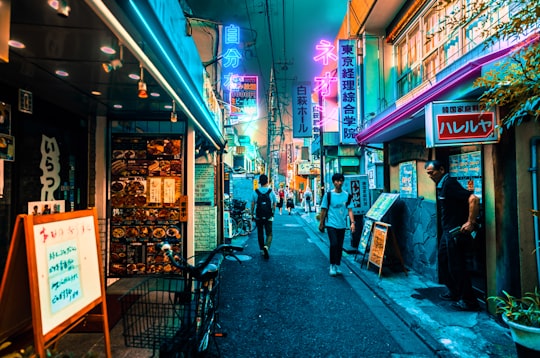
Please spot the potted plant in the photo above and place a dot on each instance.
(522, 315)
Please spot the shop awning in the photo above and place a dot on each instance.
(396, 122)
(156, 37)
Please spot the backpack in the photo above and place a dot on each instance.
(264, 205)
(308, 195)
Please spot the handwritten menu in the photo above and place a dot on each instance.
(67, 267)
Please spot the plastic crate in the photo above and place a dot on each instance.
(155, 310)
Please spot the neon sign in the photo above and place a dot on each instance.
(325, 55)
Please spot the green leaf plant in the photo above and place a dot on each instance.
(524, 310)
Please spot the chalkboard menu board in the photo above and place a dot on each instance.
(381, 206)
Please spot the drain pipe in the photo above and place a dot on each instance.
(534, 176)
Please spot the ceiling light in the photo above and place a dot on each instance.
(108, 50)
(96, 93)
(63, 8)
(62, 73)
(134, 76)
(114, 64)
(174, 117)
(16, 44)
(118, 106)
(142, 90)
(155, 94)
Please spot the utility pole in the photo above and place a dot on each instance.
(271, 125)
(321, 142)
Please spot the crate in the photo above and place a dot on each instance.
(155, 310)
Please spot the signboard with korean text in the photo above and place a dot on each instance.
(302, 117)
(357, 186)
(454, 123)
(348, 123)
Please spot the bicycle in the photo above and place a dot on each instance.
(176, 314)
(245, 222)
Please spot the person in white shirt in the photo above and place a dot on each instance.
(334, 211)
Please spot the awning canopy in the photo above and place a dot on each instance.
(396, 122)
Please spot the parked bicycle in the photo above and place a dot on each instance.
(177, 314)
(240, 218)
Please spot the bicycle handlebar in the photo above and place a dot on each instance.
(199, 269)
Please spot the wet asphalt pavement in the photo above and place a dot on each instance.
(289, 306)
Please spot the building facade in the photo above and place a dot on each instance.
(419, 60)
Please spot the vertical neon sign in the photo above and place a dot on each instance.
(322, 83)
(348, 123)
(231, 56)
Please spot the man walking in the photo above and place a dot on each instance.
(263, 206)
(458, 209)
(335, 206)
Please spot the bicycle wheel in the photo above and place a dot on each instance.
(234, 226)
(245, 227)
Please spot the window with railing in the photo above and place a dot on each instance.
(442, 34)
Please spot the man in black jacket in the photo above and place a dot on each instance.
(458, 210)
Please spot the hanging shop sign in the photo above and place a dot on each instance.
(454, 123)
(348, 113)
(243, 96)
(308, 168)
(302, 118)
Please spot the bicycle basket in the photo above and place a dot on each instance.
(155, 310)
(239, 204)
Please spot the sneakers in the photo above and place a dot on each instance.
(448, 297)
(265, 252)
(333, 270)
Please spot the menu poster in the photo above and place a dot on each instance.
(146, 190)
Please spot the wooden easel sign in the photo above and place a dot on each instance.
(378, 246)
(53, 277)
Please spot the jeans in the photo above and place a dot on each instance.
(262, 227)
(336, 237)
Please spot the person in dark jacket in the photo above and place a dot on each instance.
(458, 209)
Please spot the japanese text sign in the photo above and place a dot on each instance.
(450, 123)
(302, 118)
(348, 114)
